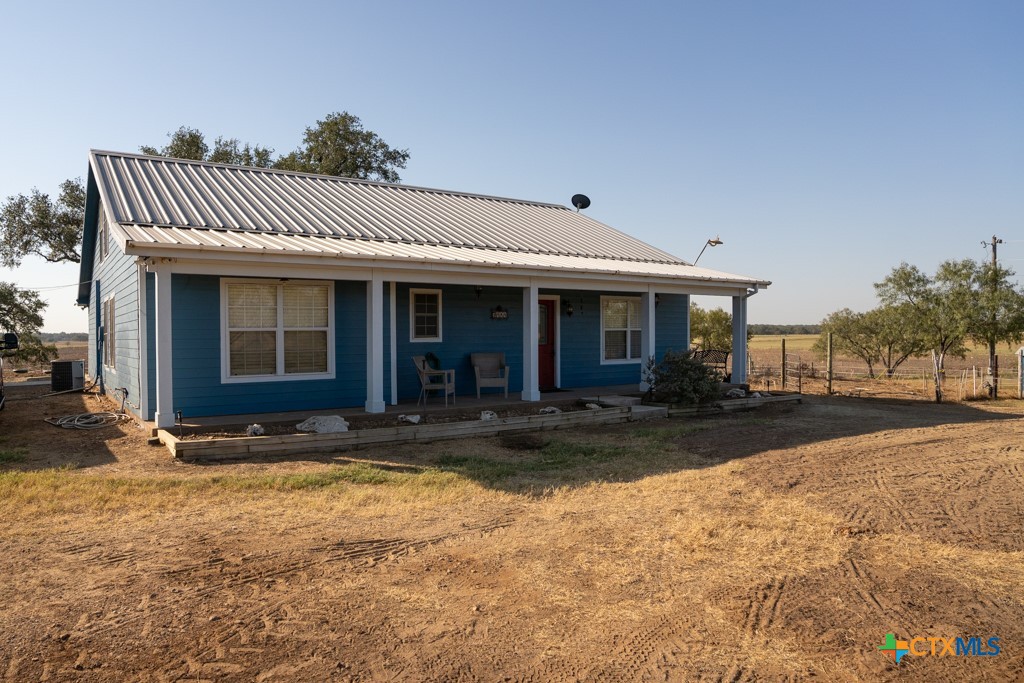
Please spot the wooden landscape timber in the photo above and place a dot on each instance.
(292, 444)
(732, 405)
(236, 448)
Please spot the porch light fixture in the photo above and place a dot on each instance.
(569, 310)
(712, 243)
(479, 290)
(657, 299)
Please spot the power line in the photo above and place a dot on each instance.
(41, 289)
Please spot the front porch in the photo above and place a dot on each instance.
(435, 407)
(575, 336)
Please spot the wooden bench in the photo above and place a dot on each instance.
(713, 358)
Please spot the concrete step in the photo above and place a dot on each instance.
(612, 401)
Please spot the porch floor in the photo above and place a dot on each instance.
(435, 406)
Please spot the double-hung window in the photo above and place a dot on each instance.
(109, 332)
(620, 329)
(277, 330)
(102, 234)
(425, 315)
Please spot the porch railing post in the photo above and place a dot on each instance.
(164, 415)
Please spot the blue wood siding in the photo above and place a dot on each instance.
(116, 275)
(581, 344)
(672, 324)
(466, 327)
(198, 390)
(581, 337)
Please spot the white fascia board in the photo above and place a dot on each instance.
(118, 234)
(347, 267)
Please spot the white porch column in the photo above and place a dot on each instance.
(648, 302)
(164, 415)
(531, 327)
(739, 339)
(686, 346)
(393, 297)
(375, 344)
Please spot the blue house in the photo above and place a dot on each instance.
(218, 290)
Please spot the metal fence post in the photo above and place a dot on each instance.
(828, 369)
(1020, 372)
(783, 361)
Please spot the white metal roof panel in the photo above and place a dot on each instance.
(138, 236)
(179, 194)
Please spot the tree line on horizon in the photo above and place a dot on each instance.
(771, 328)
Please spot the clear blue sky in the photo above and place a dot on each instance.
(823, 141)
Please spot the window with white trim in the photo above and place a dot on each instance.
(620, 329)
(425, 315)
(102, 233)
(109, 333)
(277, 330)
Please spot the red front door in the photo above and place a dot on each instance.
(546, 344)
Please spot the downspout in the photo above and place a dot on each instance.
(750, 293)
(142, 338)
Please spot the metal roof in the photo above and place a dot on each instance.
(142, 239)
(181, 206)
(173, 193)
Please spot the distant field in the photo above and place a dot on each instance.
(794, 342)
(803, 342)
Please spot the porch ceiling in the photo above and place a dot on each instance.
(206, 244)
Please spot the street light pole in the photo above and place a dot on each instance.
(712, 242)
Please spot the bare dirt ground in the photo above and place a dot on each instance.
(781, 544)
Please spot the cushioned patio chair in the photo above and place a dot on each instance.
(434, 380)
(490, 370)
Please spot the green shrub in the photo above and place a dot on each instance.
(678, 378)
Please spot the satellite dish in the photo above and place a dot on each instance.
(580, 201)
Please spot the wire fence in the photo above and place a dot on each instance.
(961, 378)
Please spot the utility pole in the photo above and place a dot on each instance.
(993, 359)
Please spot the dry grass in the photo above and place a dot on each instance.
(726, 548)
(42, 495)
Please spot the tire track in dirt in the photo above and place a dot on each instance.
(896, 503)
(374, 550)
(763, 607)
(864, 587)
(358, 552)
(658, 649)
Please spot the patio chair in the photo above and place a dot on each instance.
(434, 380)
(490, 370)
